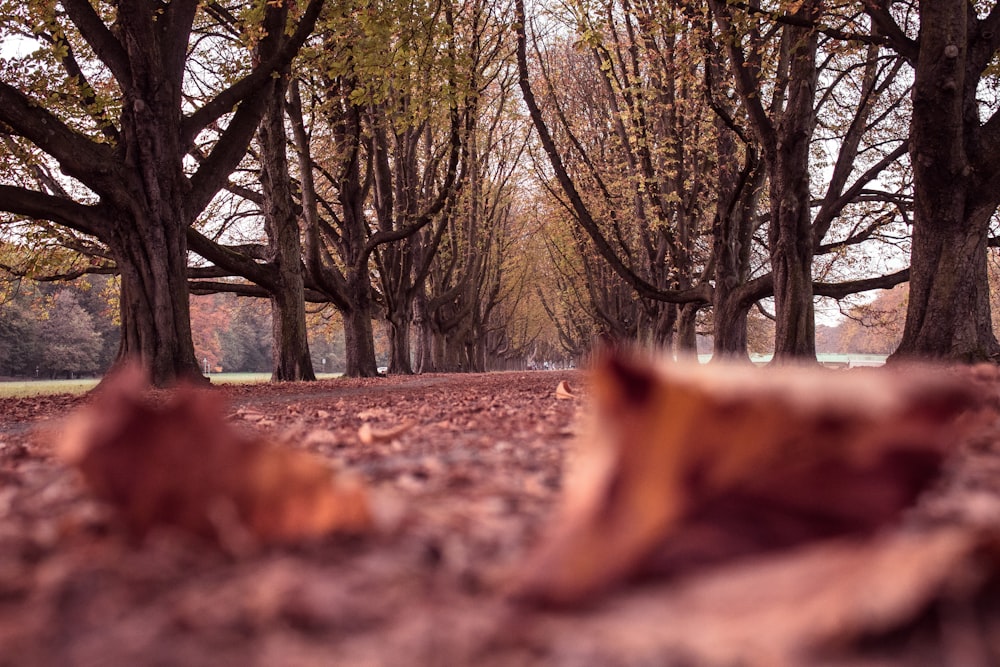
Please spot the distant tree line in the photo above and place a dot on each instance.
(51, 330)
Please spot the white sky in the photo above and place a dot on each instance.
(15, 46)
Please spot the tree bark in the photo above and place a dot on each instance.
(399, 340)
(948, 314)
(790, 234)
(359, 343)
(291, 360)
(154, 304)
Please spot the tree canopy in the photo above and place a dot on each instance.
(487, 183)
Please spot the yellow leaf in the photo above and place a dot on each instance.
(368, 435)
(563, 391)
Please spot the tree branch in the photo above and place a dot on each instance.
(77, 217)
(252, 84)
(203, 287)
(887, 25)
(90, 162)
(230, 260)
(101, 40)
(840, 290)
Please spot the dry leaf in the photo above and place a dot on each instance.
(563, 391)
(368, 434)
(181, 464)
(791, 607)
(687, 465)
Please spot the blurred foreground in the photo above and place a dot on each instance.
(465, 473)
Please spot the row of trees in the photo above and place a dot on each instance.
(379, 178)
(691, 163)
(715, 154)
(70, 329)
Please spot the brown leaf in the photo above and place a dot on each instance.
(252, 417)
(688, 465)
(181, 464)
(563, 391)
(368, 434)
(793, 606)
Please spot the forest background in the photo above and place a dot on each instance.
(439, 186)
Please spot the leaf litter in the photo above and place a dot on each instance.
(724, 561)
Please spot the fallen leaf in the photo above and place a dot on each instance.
(687, 465)
(563, 391)
(368, 434)
(181, 464)
(320, 437)
(794, 606)
(251, 417)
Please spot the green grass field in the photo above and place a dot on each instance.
(21, 388)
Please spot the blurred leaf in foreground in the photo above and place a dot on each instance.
(181, 464)
(688, 465)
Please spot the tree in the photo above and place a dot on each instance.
(70, 342)
(954, 139)
(457, 303)
(378, 146)
(784, 131)
(136, 194)
(625, 142)
(268, 189)
(19, 339)
(771, 65)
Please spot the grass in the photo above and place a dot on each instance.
(22, 388)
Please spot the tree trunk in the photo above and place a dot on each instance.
(730, 327)
(790, 233)
(424, 362)
(687, 336)
(155, 309)
(399, 348)
(148, 239)
(290, 346)
(732, 235)
(399, 342)
(948, 315)
(439, 351)
(291, 361)
(359, 340)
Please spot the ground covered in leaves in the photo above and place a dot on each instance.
(466, 472)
